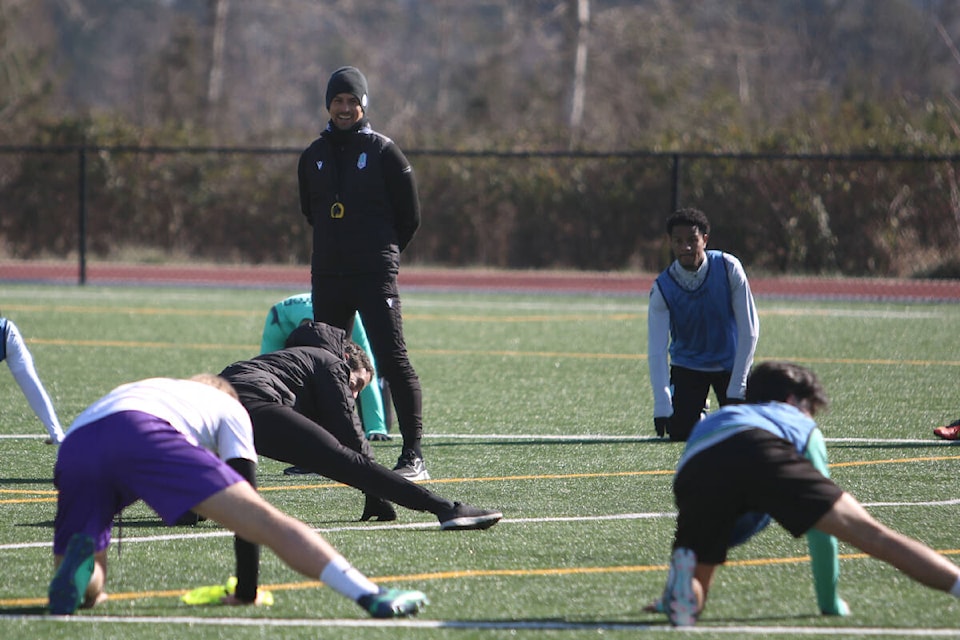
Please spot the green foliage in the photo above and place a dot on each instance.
(684, 77)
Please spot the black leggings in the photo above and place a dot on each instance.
(375, 297)
(690, 391)
(283, 434)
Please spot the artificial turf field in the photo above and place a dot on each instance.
(538, 405)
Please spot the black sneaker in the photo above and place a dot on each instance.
(189, 519)
(378, 436)
(299, 471)
(411, 467)
(378, 509)
(462, 517)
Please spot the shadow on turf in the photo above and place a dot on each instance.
(654, 622)
(157, 523)
(48, 481)
(24, 611)
(933, 444)
(526, 441)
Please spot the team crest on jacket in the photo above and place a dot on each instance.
(319, 165)
(362, 160)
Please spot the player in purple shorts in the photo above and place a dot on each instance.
(182, 445)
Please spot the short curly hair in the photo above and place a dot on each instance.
(776, 381)
(357, 358)
(689, 218)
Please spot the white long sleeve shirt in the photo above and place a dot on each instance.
(18, 358)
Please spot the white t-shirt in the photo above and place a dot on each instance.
(208, 417)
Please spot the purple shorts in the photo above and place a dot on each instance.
(107, 465)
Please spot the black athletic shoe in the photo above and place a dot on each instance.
(462, 517)
(378, 509)
(189, 519)
(411, 467)
(298, 471)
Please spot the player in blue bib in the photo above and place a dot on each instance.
(702, 328)
(746, 464)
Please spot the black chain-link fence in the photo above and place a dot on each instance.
(858, 215)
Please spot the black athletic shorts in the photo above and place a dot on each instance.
(753, 470)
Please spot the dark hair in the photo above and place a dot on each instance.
(357, 358)
(777, 381)
(689, 218)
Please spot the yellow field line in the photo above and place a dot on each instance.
(135, 345)
(476, 352)
(545, 476)
(469, 573)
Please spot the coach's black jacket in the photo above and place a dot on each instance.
(368, 175)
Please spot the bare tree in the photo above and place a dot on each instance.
(579, 71)
(218, 9)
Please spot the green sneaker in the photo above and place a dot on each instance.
(69, 584)
(393, 603)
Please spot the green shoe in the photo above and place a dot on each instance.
(69, 584)
(393, 603)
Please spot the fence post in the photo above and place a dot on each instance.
(675, 184)
(82, 210)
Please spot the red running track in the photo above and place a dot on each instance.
(297, 278)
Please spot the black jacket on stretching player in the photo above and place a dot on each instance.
(301, 403)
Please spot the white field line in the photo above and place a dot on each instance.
(429, 525)
(517, 437)
(590, 437)
(506, 625)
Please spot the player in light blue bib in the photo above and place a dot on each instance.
(290, 313)
(746, 464)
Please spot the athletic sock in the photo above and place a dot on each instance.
(346, 580)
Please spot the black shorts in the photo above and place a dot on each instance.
(751, 471)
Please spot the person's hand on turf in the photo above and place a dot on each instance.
(655, 607)
(662, 425)
(232, 600)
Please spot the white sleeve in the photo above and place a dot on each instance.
(748, 326)
(21, 366)
(658, 341)
(235, 432)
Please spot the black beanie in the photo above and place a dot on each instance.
(347, 80)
